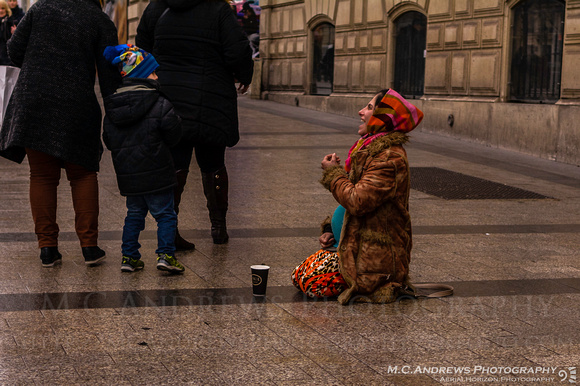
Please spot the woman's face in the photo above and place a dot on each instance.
(2, 12)
(12, 3)
(365, 114)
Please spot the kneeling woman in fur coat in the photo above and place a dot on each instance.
(372, 223)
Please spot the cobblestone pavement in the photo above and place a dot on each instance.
(513, 258)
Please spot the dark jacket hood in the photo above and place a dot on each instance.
(132, 101)
(182, 4)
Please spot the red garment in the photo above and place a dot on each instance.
(318, 276)
(44, 180)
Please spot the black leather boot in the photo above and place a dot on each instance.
(180, 243)
(215, 188)
(50, 256)
(93, 255)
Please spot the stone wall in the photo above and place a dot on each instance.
(466, 68)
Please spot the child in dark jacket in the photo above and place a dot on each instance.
(140, 127)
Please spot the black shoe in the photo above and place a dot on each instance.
(50, 256)
(93, 255)
(182, 244)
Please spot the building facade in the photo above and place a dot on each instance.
(499, 72)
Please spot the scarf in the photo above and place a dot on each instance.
(363, 142)
(392, 113)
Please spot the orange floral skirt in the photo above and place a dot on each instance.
(319, 276)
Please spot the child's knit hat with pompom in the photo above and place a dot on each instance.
(133, 62)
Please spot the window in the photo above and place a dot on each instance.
(410, 45)
(322, 59)
(536, 67)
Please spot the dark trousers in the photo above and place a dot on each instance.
(209, 158)
(160, 205)
(44, 180)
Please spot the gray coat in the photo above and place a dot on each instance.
(54, 109)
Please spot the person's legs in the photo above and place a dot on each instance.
(255, 44)
(44, 180)
(85, 197)
(182, 154)
(161, 208)
(134, 224)
(211, 160)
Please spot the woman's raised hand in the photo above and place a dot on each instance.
(330, 160)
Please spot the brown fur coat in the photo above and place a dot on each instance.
(376, 239)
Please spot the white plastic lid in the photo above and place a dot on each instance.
(259, 266)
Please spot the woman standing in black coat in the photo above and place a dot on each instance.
(5, 32)
(202, 51)
(17, 12)
(53, 116)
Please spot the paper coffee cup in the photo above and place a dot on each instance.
(259, 279)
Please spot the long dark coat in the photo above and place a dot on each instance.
(201, 50)
(376, 238)
(54, 109)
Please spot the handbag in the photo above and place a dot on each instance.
(8, 79)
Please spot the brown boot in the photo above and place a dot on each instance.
(180, 243)
(215, 188)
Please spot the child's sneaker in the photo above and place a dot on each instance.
(130, 264)
(169, 263)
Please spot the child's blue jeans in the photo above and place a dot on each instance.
(160, 205)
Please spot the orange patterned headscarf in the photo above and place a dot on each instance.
(392, 113)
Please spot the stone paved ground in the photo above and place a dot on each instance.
(514, 263)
